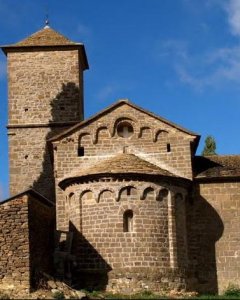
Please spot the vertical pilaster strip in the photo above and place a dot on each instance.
(172, 231)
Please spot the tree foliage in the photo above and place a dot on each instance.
(210, 146)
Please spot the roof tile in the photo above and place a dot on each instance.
(217, 166)
(119, 164)
(45, 37)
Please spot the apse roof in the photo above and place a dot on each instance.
(122, 163)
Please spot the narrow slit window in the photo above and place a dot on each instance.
(168, 147)
(81, 151)
(128, 221)
(129, 191)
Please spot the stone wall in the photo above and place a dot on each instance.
(14, 244)
(145, 251)
(45, 89)
(44, 86)
(30, 160)
(213, 232)
(25, 235)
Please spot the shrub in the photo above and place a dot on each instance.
(232, 290)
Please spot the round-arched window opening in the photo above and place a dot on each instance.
(124, 129)
(128, 221)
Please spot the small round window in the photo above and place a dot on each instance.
(125, 129)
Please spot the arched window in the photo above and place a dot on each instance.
(128, 221)
(69, 204)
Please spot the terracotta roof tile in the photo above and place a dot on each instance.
(119, 164)
(217, 166)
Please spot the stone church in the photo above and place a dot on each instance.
(117, 201)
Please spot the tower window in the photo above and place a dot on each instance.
(81, 151)
(168, 147)
(128, 221)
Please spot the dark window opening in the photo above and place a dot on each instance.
(26, 156)
(81, 151)
(62, 108)
(128, 221)
(128, 191)
(25, 109)
(125, 129)
(168, 147)
(71, 196)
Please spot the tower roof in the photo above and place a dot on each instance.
(46, 38)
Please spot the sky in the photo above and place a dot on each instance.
(180, 59)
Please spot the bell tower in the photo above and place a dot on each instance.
(45, 96)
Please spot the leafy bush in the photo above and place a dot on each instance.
(233, 291)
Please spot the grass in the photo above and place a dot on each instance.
(106, 295)
(232, 292)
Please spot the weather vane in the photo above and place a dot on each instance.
(47, 19)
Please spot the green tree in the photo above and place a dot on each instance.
(210, 146)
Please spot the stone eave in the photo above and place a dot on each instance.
(112, 107)
(205, 179)
(31, 48)
(124, 175)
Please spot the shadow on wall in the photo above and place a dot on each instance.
(65, 107)
(91, 271)
(205, 228)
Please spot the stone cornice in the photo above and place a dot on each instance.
(37, 125)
